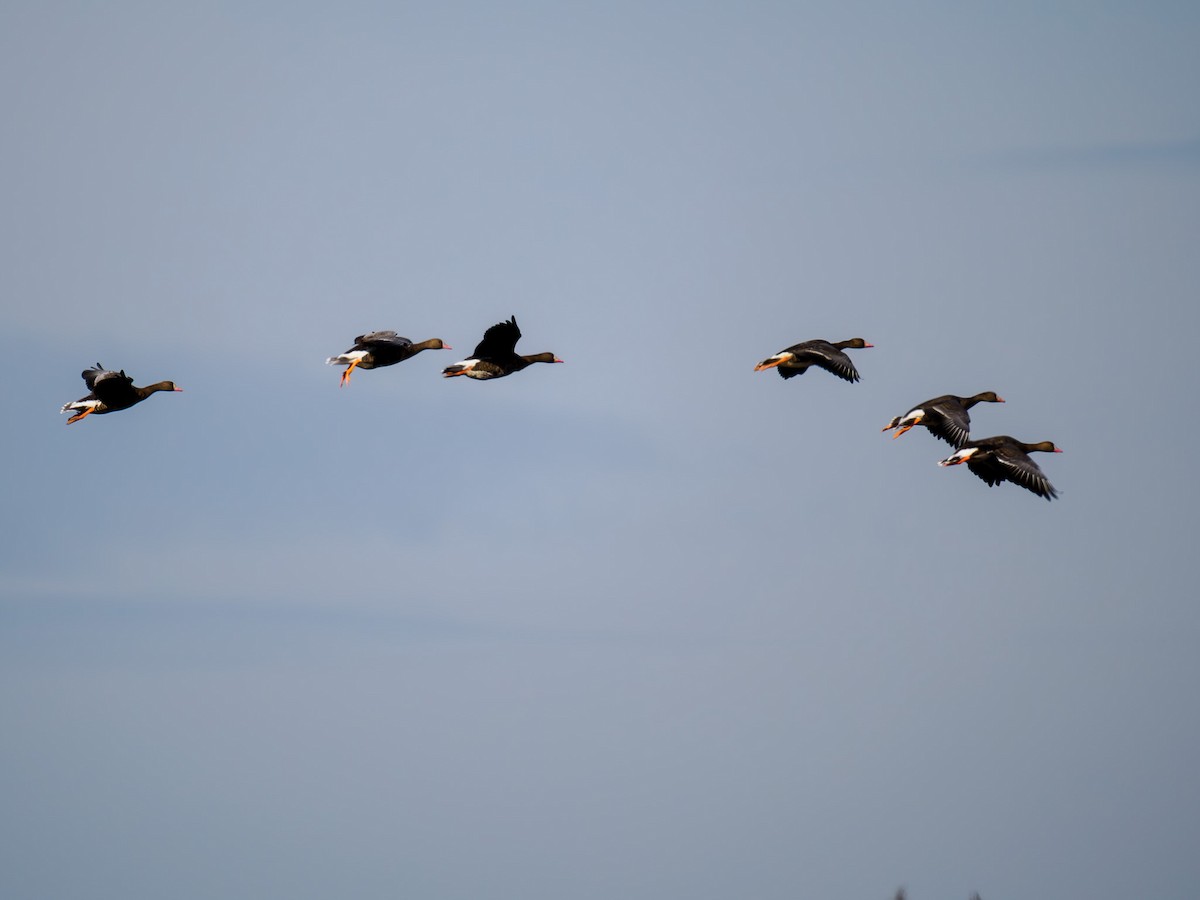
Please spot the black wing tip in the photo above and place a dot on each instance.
(843, 369)
(954, 438)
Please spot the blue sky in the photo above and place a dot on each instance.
(647, 624)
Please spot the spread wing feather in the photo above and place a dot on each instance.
(1020, 469)
(363, 341)
(498, 341)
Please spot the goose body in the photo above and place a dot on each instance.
(377, 349)
(111, 392)
(946, 417)
(1002, 458)
(496, 355)
(797, 359)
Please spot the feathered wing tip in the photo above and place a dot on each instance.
(952, 434)
(945, 428)
(841, 366)
(1030, 476)
(499, 340)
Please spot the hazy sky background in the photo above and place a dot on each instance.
(648, 624)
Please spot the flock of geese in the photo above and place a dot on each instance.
(993, 459)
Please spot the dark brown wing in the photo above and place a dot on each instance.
(98, 372)
(112, 388)
(499, 341)
(1020, 469)
(828, 357)
(373, 339)
(385, 348)
(987, 467)
(787, 370)
(1001, 460)
(948, 419)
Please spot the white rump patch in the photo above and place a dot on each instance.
(346, 358)
(959, 456)
(463, 367)
(80, 405)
